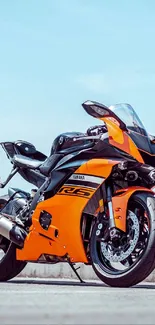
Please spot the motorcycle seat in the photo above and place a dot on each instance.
(29, 163)
(26, 162)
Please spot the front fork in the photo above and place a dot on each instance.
(117, 208)
(112, 230)
(110, 208)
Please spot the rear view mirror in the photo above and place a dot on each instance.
(95, 109)
(101, 111)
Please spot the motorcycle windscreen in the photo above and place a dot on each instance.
(119, 133)
(136, 128)
(127, 114)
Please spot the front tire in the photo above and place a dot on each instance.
(141, 260)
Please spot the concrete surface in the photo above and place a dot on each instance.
(47, 301)
(63, 270)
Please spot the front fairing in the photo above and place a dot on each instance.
(137, 131)
(125, 130)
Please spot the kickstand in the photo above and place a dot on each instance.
(75, 271)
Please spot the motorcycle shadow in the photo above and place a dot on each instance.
(70, 282)
(63, 282)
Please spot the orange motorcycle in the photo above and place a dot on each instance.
(93, 203)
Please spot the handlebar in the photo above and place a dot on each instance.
(101, 137)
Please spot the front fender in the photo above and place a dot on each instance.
(120, 203)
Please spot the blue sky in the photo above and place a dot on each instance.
(55, 54)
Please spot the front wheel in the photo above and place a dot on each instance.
(131, 258)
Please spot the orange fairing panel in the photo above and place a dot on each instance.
(66, 212)
(120, 203)
(121, 139)
(66, 208)
(97, 167)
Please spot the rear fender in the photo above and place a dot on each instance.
(120, 203)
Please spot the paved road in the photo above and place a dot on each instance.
(63, 302)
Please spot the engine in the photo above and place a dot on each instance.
(14, 216)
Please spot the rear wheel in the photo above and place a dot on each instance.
(130, 258)
(9, 266)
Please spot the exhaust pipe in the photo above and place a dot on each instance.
(11, 231)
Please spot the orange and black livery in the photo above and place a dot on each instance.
(93, 201)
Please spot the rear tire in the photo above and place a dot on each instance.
(9, 266)
(145, 263)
